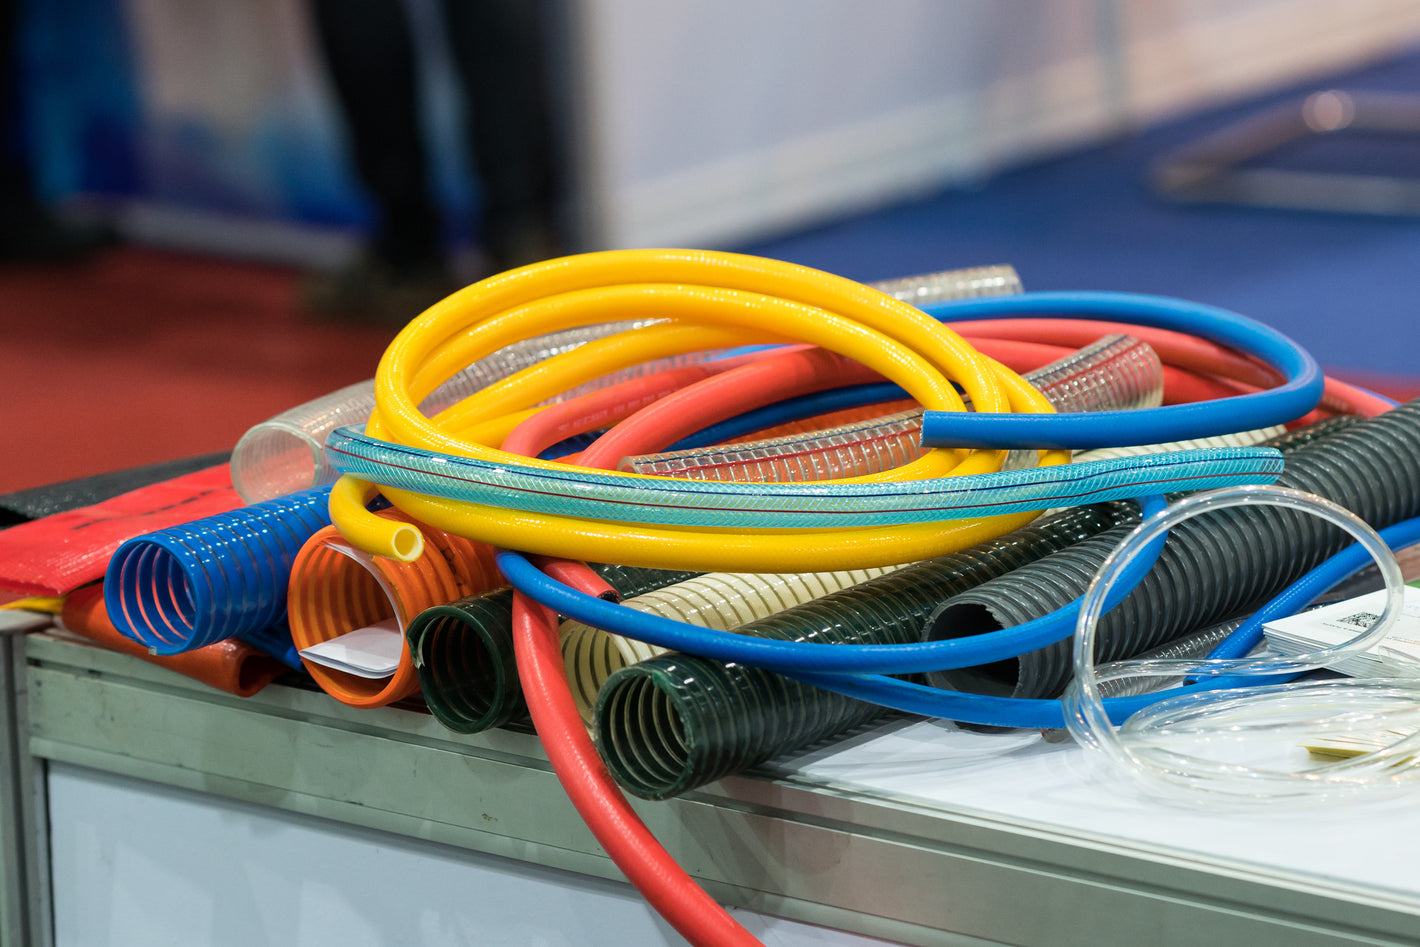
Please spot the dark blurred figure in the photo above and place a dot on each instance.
(499, 53)
(29, 232)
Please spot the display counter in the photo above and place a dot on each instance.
(914, 831)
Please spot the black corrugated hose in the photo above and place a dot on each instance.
(1211, 568)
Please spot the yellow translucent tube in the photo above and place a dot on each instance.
(690, 289)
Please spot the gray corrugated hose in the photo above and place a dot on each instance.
(1211, 568)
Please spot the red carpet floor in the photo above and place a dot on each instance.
(140, 356)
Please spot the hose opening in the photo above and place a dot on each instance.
(641, 733)
(997, 679)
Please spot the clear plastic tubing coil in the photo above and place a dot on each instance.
(678, 721)
(286, 453)
(1190, 743)
(1196, 645)
(463, 651)
(224, 576)
(721, 601)
(1116, 373)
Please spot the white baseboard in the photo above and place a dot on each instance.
(956, 138)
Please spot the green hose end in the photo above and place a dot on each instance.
(463, 655)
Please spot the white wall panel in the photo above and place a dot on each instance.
(713, 122)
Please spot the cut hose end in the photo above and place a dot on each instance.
(375, 535)
(642, 734)
(273, 459)
(406, 543)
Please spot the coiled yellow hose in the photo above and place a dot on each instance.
(700, 294)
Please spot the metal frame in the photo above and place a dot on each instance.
(877, 867)
(1213, 169)
(25, 916)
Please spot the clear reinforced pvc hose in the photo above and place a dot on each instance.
(1116, 373)
(286, 453)
(721, 600)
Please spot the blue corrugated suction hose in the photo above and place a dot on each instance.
(222, 577)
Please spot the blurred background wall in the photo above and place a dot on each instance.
(208, 124)
(711, 120)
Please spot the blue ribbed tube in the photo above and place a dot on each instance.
(216, 578)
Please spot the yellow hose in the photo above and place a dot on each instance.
(708, 299)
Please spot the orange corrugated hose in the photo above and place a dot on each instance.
(335, 589)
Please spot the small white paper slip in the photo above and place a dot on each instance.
(371, 652)
(1398, 655)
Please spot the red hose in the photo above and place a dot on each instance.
(578, 575)
(606, 406)
(724, 396)
(669, 890)
(584, 777)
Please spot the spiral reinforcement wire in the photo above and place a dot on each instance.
(721, 601)
(336, 589)
(220, 577)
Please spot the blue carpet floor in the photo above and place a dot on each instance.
(1344, 285)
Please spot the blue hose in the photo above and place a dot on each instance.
(222, 577)
(795, 656)
(1048, 714)
(1299, 394)
(859, 670)
(1306, 589)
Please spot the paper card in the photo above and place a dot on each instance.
(371, 652)
(1335, 624)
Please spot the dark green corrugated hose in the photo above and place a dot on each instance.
(678, 721)
(463, 651)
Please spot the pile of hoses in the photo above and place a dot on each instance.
(608, 361)
(455, 473)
